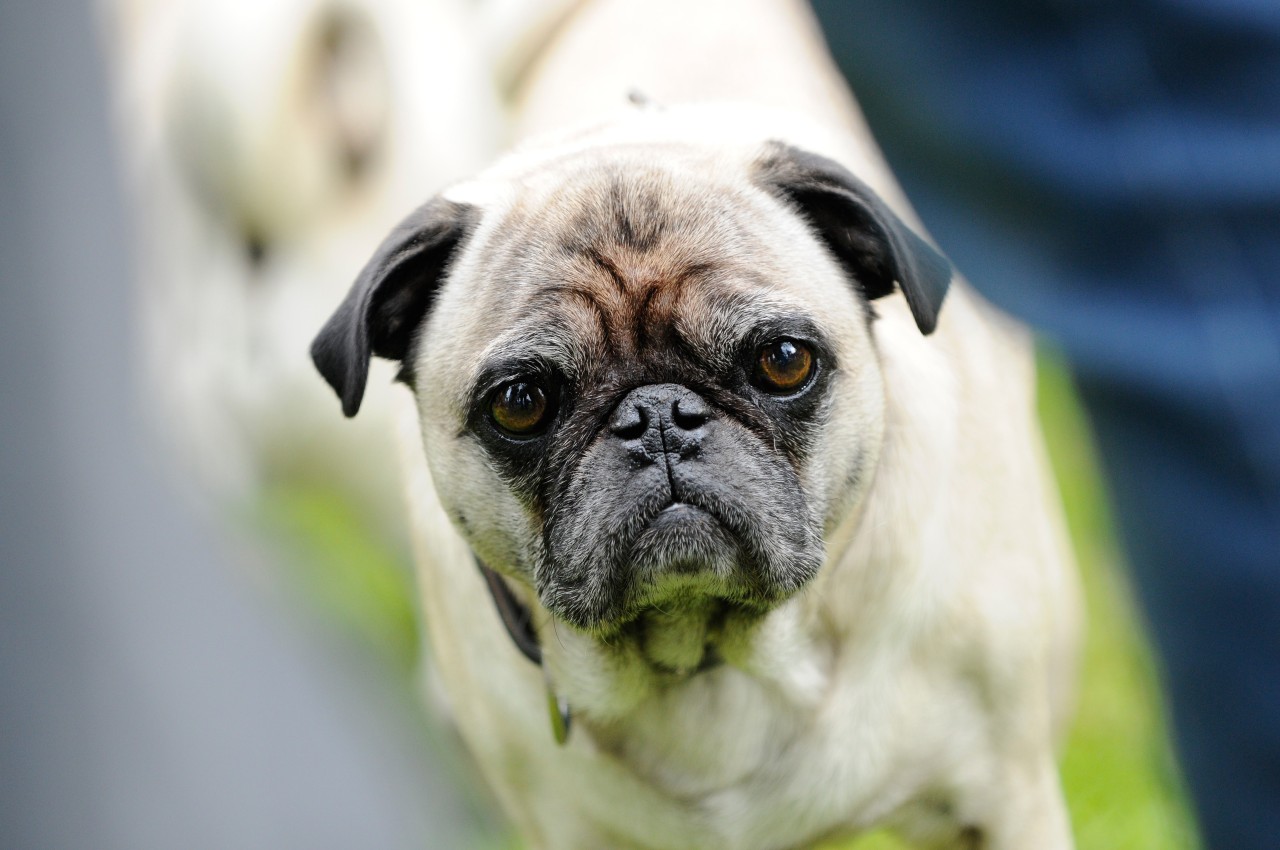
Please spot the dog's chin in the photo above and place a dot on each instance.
(683, 540)
(691, 584)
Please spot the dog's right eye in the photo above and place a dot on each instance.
(783, 366)
(520, 408)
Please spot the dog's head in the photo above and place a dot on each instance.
(644, 371)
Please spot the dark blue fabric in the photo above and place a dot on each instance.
(1110, 172)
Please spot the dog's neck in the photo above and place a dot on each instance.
(518, 621)
(778, 664)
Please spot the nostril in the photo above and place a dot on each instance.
(630, 423)
(690, 412)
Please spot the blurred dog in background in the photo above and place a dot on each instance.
(269, 144)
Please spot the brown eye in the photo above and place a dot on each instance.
(519, 408)
(783, 366)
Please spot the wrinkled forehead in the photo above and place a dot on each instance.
(624, 255)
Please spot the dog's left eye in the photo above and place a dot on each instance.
(783, 366)
(520, 408)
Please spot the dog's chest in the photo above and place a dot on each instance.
(755, 769)
(711, 733)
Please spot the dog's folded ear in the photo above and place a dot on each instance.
(875, 247)
(390, 297)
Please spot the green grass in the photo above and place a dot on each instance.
(1120, 777)
(339, 568)
(1121, 782)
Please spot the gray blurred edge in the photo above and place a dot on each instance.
(148, 698)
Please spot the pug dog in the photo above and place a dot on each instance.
(733, 522)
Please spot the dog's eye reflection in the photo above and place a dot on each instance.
(519, 408)
(783, 366)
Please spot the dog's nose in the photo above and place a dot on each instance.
(661, 418)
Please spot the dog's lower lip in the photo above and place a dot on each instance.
(681, 516)
(677, 511)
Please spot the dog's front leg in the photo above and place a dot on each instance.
(1024, 811)
(1000, 807)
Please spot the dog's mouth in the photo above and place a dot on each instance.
(683, 539)
(686, 555)
(682, 560)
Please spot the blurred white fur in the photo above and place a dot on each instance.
(270, 144)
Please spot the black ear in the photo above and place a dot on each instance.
(390, 297)
(868, 239)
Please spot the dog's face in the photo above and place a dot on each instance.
(645, 373)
